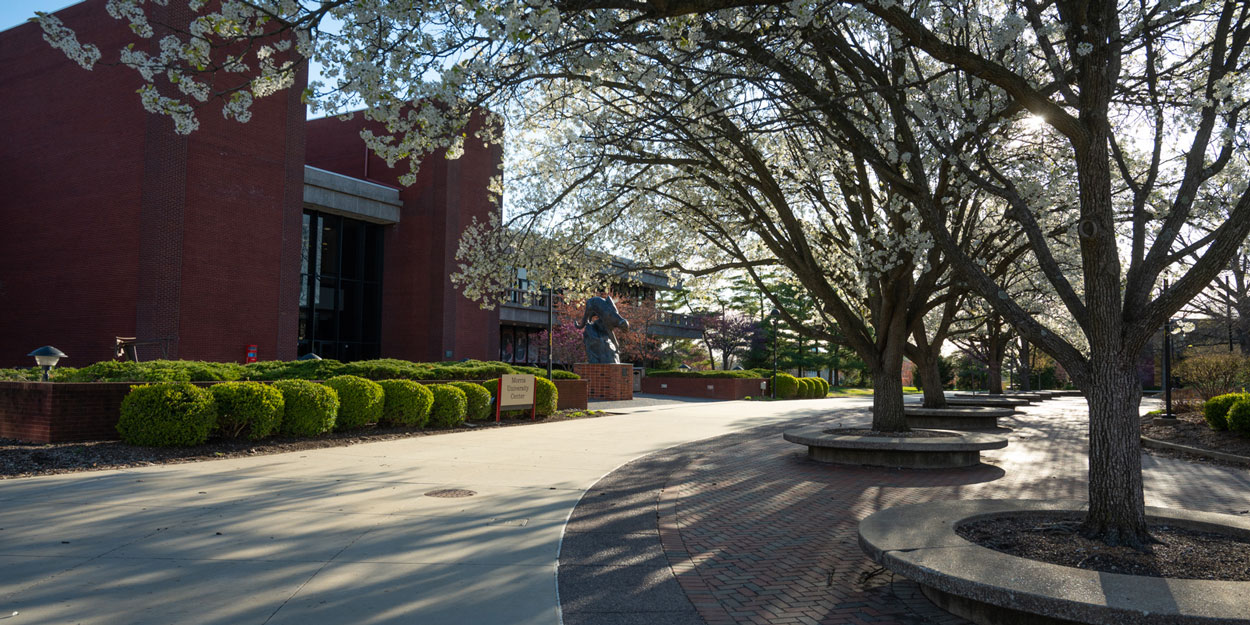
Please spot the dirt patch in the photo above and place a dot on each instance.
(18, 459)
(908, 434)
(1192, 430)
(1180, 553)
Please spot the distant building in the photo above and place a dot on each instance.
(281, 233)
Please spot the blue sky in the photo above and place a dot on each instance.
(14, 12)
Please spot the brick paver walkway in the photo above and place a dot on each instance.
(753, 532)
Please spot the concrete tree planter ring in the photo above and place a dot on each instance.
(992, 588)
(955, 418)
(959, 449)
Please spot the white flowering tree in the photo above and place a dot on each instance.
(817, 135)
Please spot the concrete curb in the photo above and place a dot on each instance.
(1206, 453)
(919, 542)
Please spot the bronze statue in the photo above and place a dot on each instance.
(597, 325)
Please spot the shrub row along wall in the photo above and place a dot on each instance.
(64, 411)
(709, 387)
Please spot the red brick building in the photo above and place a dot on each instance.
(281, 233)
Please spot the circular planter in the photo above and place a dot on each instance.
(1024, 398)
(988, 587)
(960, 418)
(959, 449)
(986, 401)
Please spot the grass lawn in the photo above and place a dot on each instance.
(847, 391)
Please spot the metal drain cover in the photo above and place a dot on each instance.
(450, 493)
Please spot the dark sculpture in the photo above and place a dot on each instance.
(597, 325)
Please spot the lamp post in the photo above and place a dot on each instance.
(551, 326)
(46, 357)
(772, 387)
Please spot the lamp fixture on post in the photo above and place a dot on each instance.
(772, 387)
(47, 357)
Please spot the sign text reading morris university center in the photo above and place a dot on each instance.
(516, 392)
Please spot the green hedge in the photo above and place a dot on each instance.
(406, 403)
(450, 405)
(787, 386)
(1239, 417)
(311, 408)
(201, 371)
(153, 371)
(478, 404)
(167, 415)
(360, 401)
(824, 387)
(249, 407)
(1215, 410)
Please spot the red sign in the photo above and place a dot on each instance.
(250, 355)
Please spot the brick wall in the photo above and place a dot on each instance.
(712, 388)
(571, 394)
(117, 226)
(606, 381)
(424, 317)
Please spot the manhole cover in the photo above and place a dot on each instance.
(450, 492)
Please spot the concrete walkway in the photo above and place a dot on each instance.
(340, 535)
(744, 529)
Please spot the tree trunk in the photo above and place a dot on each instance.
(887, 394)
(931, 381)
(1024, 372)
(994, 380)
(1116, 504)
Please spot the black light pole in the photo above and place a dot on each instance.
(773, 386)
(1167, 365)
(551, 326)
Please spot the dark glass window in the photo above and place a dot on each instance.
(341, 272)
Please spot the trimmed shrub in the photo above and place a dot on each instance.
(450, 405)
(556, 374)
(360, 401)
(249, 407)
(806, 389)
(547, 398)
(787, 386)
(311, 408)
(1239, 417)
(823, 390)
(1215, 410)
(167, 415)
(406, 403)
(478, 405)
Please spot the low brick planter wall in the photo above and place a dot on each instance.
(62, 412)
(711, 388)
(40, 412)
(571, 394)
(611, 382)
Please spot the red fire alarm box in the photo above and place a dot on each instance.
(250, 356)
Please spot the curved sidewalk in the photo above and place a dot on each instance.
(339, 535)
(746, 529)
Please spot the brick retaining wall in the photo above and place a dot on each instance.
(712, 388)
(611, 382)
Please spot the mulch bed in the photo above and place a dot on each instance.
(1180, 553)
(1192, 430)
(18, 459)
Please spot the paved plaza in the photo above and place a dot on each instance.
(682, 513)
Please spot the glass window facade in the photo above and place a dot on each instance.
(522, 345)
(340, 304)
